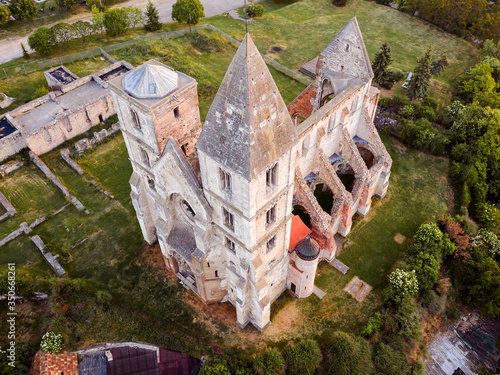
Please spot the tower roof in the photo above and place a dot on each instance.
(248, 126)
(346, 53)
(150, 81)
(307, 249)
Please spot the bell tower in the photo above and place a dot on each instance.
(247, 159)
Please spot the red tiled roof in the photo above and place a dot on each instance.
(299, 231)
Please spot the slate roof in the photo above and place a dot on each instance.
(307, 249)
(347, 49)
(151, 81)
(248, 126)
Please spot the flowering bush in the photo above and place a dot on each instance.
(487, 239)
(51, 343)
(404, 283)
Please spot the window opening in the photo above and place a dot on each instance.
(135, 119)
(216, 273)
(271, 175)
(145, 157)
(230, 245)
(176, 113)
(225, 180)
(271, 215)
(228, 218)
(271, 243)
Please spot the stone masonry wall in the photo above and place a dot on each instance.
(55, 364)
(11, 145)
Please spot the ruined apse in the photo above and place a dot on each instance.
(232, 202)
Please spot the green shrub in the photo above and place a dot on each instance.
(215, 366)
(400, 99)
(373, 325)
(41, 91)
(270, 363)
(407, 111)
(255, 10)
(347, 354)
(303, 358)
(434, 303)
(389, 361)
(488, 215)
(51, 343)
(384, 101)
(430, 102)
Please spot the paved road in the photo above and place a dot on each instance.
(11, 48)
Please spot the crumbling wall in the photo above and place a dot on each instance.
(11, 145)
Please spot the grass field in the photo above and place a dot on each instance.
(207, 68)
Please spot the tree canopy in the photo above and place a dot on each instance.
(189, 11)
(22, 9)
(152, 18)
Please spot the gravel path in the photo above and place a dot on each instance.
(11, 48)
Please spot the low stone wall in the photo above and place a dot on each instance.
(40, 164)
(10, 166)
(67, 158)
(50, 258)
(85, 144)
(11, 211)
(11, 145)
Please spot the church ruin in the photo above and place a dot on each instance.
(220, 198)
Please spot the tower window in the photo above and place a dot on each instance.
(208, 265)
(225, 180)
(271, 215)
(216, 273)
(145, 157)
(176, 113)
(342, 68)
(135, 119)
(230, 245)
(347, 48)
(271, 243)
(272, 175)
(228, 218)
(151, 183)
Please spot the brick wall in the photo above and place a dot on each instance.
(64, 363)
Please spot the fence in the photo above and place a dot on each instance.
(34, 66)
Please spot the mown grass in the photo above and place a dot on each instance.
(418, 193)
(304, 28)
(32, 195)
(207, 68)
(23, 87)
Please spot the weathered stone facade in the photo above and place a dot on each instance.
(222, 213)
(75, 105)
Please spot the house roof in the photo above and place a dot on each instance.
(248, 126)
(298, 232)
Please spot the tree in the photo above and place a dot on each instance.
(41, 41)
(381, 63)
(490, 49)
(348, 355)
(480, 83)
(66, 4)
(62, 32)
(255, 10)
(26, 55)
(4, 15)
(152, 18)
(215, 366)
(270, 363)
(389, 361)
(303, 358)
(97, 20)
(189, 11)
(83, 29)
(115, 22)
(438, 66)
(134, 16)
(485, 285)
(22, 9)
(421, 78)
(51, 343)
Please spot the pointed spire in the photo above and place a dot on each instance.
(346, 53)
(248, 126)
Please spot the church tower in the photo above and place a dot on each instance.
(154, 102)
(247, 160)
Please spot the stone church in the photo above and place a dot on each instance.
(220, 197)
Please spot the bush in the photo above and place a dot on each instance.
(115, 22)
(215, 366)
(407, 111)
(339, 3)
(256, 10)
(270, 363)
(348, 355)
(430, 102)
(41, 91)
(392, 77)
(373, 325)
(303, 358)
(41, 41)
(384, 101)
(488, 215)
(404, 283)
(434, 303)
(389, 361)
(51, 343)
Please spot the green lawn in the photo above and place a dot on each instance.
(32, 194)
(417, 194)
(207, 68)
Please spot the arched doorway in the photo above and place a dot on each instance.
(367, 156)
(327, 92)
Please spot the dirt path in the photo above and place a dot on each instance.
(11, 48)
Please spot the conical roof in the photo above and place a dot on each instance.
(346, 53)
(248, 126)
(307, 249)
(150, 81)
